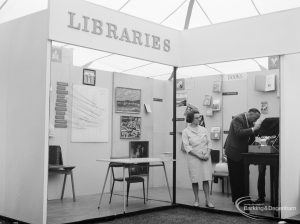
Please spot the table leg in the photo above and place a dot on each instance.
(276, 186)
(272, 184)
(227, 181)
(148, 184)
(246, 178)
(63, 189)
(124, 204)
(103, 186)
(73, 189)
(167, 181)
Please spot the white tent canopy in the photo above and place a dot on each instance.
(171, 13)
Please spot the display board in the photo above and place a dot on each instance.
(89, 114)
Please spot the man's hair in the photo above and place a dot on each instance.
(254, 110)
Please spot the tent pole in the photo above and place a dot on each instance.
(174, 134)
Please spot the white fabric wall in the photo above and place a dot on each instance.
(271, 34)
(231, 105)
(290, 153)
(4, 68)
(24, 103)
(89, 174)
(162, 126)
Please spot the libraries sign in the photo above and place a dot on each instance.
(84, 24)
(96, 26)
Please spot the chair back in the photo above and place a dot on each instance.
(215, 156)
(55, 155)
(141, 169)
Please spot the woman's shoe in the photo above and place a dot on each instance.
(196, 204)
(209, 205)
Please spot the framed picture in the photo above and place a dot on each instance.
(207, 100)
(217, 86)
(181, 99)
(180, 84)
(128, 100)
(139, 149)
(216, 105)
(209, 112)
(264, 107)
(89, 77)
(215, 133)
(130, 127)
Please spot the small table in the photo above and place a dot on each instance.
(271, 159)
(129, 162)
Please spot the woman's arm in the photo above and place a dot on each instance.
(209, 145)
(187, 147)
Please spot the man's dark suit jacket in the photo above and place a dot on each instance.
(239, 137)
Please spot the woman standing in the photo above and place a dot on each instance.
(197, 144)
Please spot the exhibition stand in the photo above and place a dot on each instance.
(46, 100)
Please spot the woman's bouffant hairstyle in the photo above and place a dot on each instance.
(190, 116)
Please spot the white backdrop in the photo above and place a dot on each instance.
(89, 114)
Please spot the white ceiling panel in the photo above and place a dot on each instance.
(177, 20)
(152, 70)
(194, 71)
(112, 4)
(227, 10)
(98, 65)
(121, 63)
(154, 10)
(236, 66)
(14, 9)
(83, 56)
(162, 77)
(268, 6)
(198, 17)
(263, 62)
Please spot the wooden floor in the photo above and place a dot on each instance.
(86, 207)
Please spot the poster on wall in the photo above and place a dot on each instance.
(215, 133)
(181, 99)
(130, 127)
(217, 86)
(56, 54)
(273, 62)
(138, 149)
(89, 77)
(61, 105)
(128, 100)
(207, 100)
(180, 84)
(270, 82)
(264, 107)
(209, 112)
(216, 105)
(89, 114)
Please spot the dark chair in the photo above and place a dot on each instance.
(132, 178)
(56, 166)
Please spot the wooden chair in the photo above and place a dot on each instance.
(132, 178)
(56, 166)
